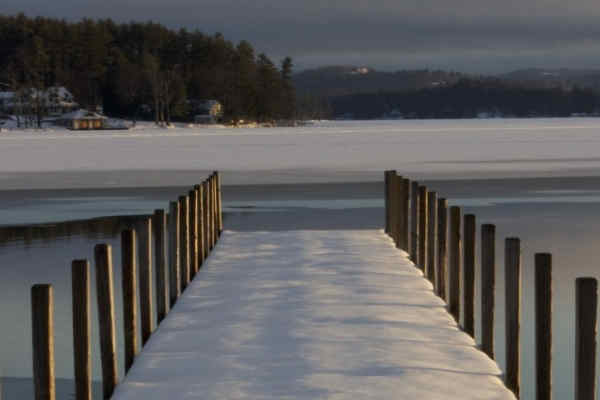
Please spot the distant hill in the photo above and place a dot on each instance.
(565, 78)
(363, 93)
(334, 81)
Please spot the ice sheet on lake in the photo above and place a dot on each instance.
(343, 150)
(310, 315)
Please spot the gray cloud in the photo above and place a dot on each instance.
(466, 35)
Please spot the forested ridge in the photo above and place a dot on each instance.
(365, 93)
(144, 69)
(470, 98)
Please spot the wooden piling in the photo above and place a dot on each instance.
(174, 268)
(206, 217)
(160, 264)
(129, 275)
(193, 233)
(393, 207)
(42, 324)
(432, 223)
(210, 214)
(201, 230)
(184, 241)
(422, 228)
(454, 273)
(488, 287)
(414, 222)
(106, 318)
(145, 275)
(405, 204)
(586, 306)
(214, 211)
(82, 330)
(543, 326)
(442, 247)
(512, 297)
(219, 203)
(388, 201)
(399, 216)
(470, 230)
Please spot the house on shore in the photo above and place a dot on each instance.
(83, 120)
(55, 100)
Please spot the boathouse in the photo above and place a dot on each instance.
(84, 120)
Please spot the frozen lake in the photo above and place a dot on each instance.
(324, 152)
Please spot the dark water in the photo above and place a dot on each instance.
(549, 215)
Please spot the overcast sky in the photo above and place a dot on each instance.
(482, 36)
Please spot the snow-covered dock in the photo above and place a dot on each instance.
(310, 315)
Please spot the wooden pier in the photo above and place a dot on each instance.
(312, 314)
(309, 315)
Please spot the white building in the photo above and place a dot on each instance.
(56, 100)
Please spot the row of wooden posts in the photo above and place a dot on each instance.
(417, 221)
(194, 225)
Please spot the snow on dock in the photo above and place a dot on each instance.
(310, 315)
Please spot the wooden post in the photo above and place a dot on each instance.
(214, 210)
(422, 228)
(393, 206)
(201, 248)
(145, 274)
(174, 269)
(129, 275)
(470, 230)
(42, 324)
(414, 222)
(210, 214)
(454, 270)
(399, 223)
(206, 217)
(442, 247)
(405, 204)
(82, 359)
(586, 305)
(184, 241)
(219, 203)
(488, 287)
(543, 326)
(431, 236)
(106, 318)
(512, 283)
(387, 182)
(162, 299)
(193, 233)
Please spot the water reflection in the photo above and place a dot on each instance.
(95, 228)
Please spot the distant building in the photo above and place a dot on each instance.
(83, 120)
(360, 71)
(56, 100)
(207, 111)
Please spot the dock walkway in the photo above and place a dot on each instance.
(310, 315)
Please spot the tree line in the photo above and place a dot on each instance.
(470, 98)
(144, 69)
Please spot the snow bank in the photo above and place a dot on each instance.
(457, 148)
(308, 315)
